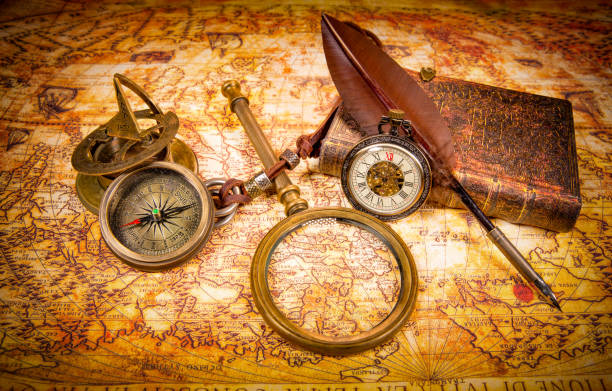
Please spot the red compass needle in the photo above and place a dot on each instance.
(137, 221)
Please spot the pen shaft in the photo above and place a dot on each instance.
(513, 255)
(506, 247)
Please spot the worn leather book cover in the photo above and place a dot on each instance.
(516, 152)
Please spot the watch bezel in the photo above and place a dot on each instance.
(404, 143)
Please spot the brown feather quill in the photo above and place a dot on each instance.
(371, 83)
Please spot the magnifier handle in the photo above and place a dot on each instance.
(288, 193)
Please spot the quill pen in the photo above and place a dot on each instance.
(371, 83)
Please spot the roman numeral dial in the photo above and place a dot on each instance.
(386, 176)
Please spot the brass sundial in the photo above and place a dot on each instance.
(121, 144)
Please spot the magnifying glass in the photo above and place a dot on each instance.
(332, 280)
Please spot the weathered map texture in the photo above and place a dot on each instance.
(74, 317)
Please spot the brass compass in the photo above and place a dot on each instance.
(159, 215)
(156, 216)
(121, 144)
(386, 175)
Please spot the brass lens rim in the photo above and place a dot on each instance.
(160, 262)
(344, 344)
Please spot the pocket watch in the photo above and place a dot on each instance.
(386, 175)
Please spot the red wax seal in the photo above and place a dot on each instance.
(523, 293)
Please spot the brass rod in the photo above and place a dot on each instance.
(288, 193)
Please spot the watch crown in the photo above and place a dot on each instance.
(396, 114)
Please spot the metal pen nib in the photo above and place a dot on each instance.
(521, 264)
(547, 293)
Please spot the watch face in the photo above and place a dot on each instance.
(386, 176)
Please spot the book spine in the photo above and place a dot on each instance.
(515, 203)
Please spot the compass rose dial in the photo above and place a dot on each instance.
(157, 215)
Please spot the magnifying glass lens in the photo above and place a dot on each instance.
(334, 277)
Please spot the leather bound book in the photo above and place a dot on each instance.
(516, 152)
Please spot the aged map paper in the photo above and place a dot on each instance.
(73, 317)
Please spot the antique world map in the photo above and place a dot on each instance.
(74, 317)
